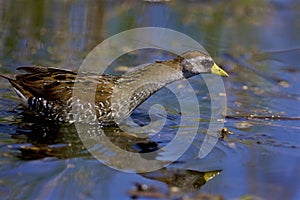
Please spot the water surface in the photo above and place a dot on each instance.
(257, 42)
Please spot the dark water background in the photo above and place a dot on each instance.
(257, 42)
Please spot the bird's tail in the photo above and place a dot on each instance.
(21, 92)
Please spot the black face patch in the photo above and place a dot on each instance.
(207, 63)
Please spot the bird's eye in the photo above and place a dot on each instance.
(207, 63)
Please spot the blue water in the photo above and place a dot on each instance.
(40, 160)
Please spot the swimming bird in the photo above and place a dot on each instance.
(48, 92)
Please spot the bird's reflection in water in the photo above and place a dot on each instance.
(187, 180)
(37, 138)
(180, 183)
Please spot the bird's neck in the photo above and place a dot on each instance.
(136, 86)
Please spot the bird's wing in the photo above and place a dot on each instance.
(56, 84)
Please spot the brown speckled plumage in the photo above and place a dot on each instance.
(48, 92)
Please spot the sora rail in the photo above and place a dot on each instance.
(48, 92)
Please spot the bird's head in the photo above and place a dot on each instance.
(195, 62)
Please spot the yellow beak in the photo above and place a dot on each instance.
(217, 70)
